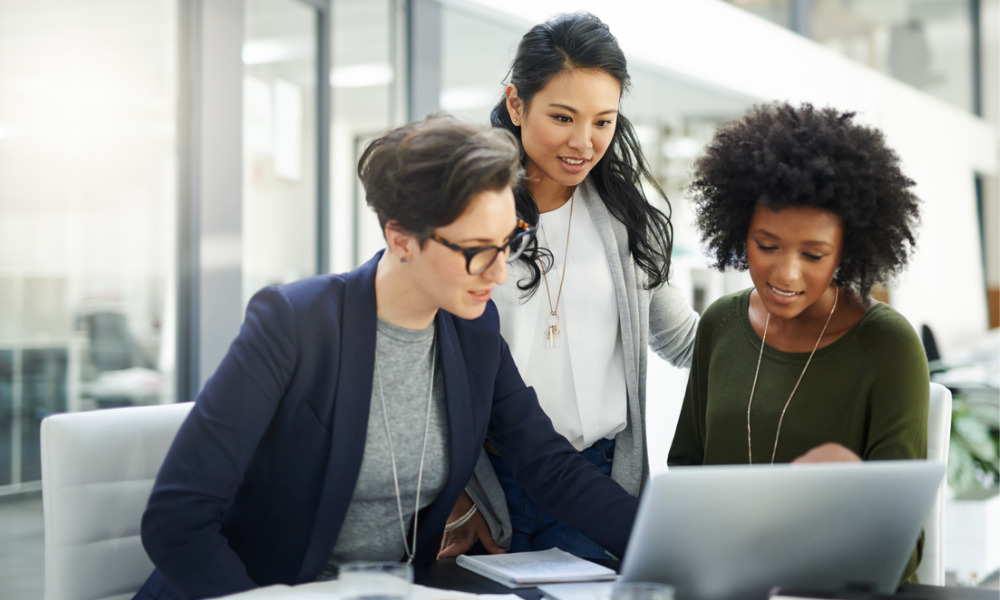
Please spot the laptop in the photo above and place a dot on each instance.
(732, 532)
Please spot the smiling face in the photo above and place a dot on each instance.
(565, 130)
(439, 273)
(793, 254)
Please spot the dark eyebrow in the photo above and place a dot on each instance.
(483, 241)
(764, 233)
(768, 234)
(570, 109)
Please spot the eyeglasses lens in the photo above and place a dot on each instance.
(518, 243)
(482, 260)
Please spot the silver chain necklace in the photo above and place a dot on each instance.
(552, 320)
(409, 549)
(774, 451)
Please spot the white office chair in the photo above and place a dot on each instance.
(931, 569)
(98, 468)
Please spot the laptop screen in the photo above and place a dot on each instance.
(732, 532)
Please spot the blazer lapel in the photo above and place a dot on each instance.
(462, 448)
(352, 400)
(459, 404)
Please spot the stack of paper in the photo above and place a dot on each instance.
(528, 569)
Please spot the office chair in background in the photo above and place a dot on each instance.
(98, 469)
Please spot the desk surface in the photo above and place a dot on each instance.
(938, 592)
(446, 574)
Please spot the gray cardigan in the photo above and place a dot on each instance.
(660, 318)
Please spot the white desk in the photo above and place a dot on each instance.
(328, 590)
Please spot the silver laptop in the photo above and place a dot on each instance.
(732, 532)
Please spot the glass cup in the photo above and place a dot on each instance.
(372, 580)
(639, 590)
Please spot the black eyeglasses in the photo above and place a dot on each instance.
(478, 259)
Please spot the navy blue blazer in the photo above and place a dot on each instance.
(256, 485)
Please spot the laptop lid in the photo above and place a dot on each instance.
(728, 532)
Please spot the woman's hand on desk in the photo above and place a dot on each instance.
(828, 452)
(460, 539)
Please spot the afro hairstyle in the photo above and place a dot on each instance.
(780, 156)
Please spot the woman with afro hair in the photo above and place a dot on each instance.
(805, 364)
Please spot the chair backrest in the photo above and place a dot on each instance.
(931, 569)
(98, 469)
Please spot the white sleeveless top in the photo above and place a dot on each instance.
(581, 381)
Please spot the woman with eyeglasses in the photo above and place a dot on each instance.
(349, 412)
(583, 304)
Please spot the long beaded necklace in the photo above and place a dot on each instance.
(836, 295)
(409, 549)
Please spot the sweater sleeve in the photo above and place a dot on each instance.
(672, 325)
(688, 445)
(898, 402)
(486, 492)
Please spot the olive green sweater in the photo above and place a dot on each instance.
(868, 391)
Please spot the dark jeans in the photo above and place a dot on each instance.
(535, 529)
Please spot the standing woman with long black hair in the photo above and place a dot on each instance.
(586, 300)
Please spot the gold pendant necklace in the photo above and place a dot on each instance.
(836, 295)
(552, 320)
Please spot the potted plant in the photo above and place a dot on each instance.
(973, 511)
(975, 441)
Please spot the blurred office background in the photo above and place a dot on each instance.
(160, 160)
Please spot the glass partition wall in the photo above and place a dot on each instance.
(367, 80)
(280, 133)
(111, 258)
(88, 165)
(103, 293)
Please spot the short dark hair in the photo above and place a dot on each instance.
(582, 41)
(423, 175)
(777, 156)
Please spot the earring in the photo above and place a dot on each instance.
(403, 260)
